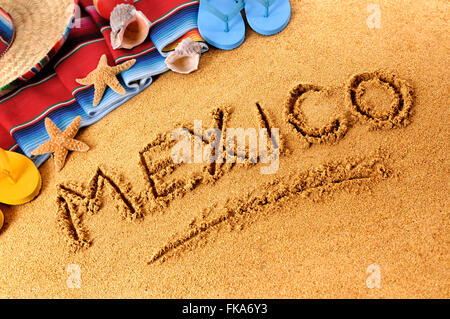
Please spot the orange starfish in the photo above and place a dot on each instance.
(61, 142)
(104, 76)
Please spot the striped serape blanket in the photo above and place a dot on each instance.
(6, 31)
(54, 93)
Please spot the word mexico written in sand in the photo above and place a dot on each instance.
(157, 165)
(162, 184)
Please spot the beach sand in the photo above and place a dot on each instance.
(361, 212)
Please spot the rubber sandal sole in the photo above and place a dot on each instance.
(278, 19)
(212, 28)
(28, 184)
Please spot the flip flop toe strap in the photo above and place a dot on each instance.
(225, 17)
(266, 4)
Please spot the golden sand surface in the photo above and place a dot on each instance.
(359, 207)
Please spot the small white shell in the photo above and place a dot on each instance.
(186, 56)
(129, 27)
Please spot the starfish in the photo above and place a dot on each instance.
(61, 142)
(105, 75)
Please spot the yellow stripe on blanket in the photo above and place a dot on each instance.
(193, 34)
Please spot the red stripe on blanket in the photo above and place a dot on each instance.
(81, 61)
(155, 9)
(6, 140)
(34, 102)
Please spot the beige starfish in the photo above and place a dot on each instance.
(105, 75)
(61, 142)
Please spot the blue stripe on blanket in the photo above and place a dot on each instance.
(174, 27)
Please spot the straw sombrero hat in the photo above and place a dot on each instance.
(41, 27)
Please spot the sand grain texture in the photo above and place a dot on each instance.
(373, 193)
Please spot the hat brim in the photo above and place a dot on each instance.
(41, 28)
(7, 31)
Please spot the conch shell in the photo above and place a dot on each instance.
(186, 56)
(129, 27)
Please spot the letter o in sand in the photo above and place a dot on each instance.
(329, 133)
(399, 110)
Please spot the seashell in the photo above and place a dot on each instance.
(186, 56)
(129, 27)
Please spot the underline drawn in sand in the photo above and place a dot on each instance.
(357, 107)
(317, 182)
(161, 187)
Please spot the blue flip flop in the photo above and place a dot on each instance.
(268, 17)
(221, 24)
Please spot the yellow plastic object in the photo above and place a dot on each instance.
(2, 219)
(20, 180)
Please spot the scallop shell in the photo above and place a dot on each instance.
(129, 27)
(186, 56)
